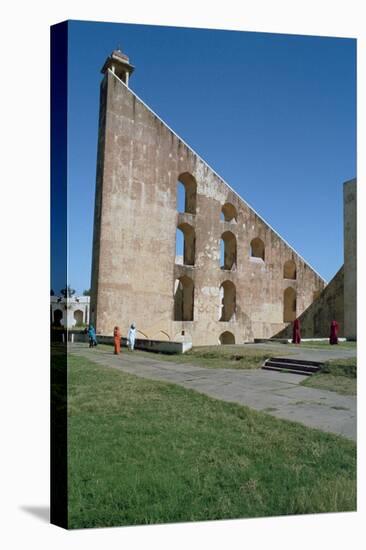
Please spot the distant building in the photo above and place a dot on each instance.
(70, 312)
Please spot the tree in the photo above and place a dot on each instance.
(87, 292)
(52, 292)
(67, 292)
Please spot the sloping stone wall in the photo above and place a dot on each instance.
(316, 319)
(140, 160)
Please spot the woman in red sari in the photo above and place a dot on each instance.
(333, 338)
(296, 334)
(117, 340)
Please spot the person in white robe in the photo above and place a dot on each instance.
(131, 337)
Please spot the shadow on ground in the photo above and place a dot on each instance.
(40, 512)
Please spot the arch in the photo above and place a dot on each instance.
(190, 193)
(57, 317)
(227, 301)
(227, 338)
(289, 270)
(257, 248)
(228, 251)
(289, 305)
(181, 197)
(179, 246)
(188, 246)
(229, 213)
(162, 336)
(141, 334)
(183, 299)
(79, 317)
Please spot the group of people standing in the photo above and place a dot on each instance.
(333, 337)
(131, 337)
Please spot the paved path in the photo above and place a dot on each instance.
(304, 352)
(276, 393)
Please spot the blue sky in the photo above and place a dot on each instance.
(274, 115)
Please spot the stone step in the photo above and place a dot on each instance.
(295, 366)
(296, 361)
(291, 371)
(292, 366)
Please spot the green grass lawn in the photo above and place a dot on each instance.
(216, 357)
(230, 357)
(144, 452)
(324, 344)
(339, 375)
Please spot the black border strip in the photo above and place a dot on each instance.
(59, 105)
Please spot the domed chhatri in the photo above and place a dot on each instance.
(119, 64)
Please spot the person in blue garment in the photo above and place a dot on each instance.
(92, 336)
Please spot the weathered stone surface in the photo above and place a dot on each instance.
(316, 319)
(135, 275)
(350, 259)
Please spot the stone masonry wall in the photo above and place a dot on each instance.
(316, 319)
(350, 258)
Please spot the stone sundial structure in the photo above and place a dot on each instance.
(237, 278)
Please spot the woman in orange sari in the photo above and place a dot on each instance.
(117, 340)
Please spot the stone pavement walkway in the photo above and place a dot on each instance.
(304, 352)
(275, 393)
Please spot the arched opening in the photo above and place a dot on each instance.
(79, 317)
(289, 305)
(257, 248)
(229, 213)
(289, 270)
(183, 299)
(185, 244)
(227, 338)
(179, 246)
(186, 196)
(227, 301)
(57, 316)
(228, 251)
(181, 197)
